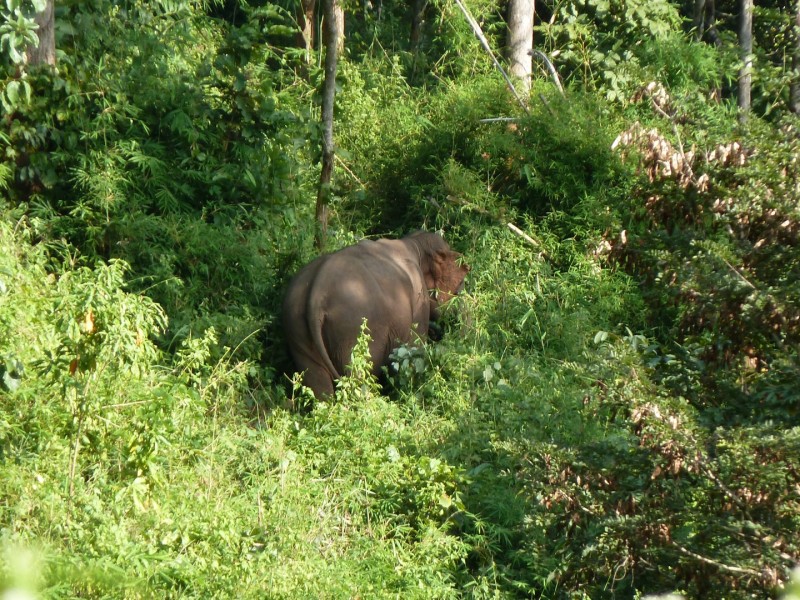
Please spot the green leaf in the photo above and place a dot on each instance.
(13, 53)
(12, 93)
(12, 370)
(280, 30)
(11, 384)
(39, 5)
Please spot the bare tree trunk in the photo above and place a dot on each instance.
(704, 22)
(698, 19)
(415, 39)
(711, 23)
(331, 30)
(417, 17)
(305, 18)
(339, 14)
(794, 90)
(520, 40)
(45, 52)
(746, 48)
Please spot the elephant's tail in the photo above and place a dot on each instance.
(319, 344)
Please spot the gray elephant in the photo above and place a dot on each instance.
(397, 285)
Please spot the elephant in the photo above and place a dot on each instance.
(398, 285)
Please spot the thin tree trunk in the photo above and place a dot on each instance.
(746, 48)
(305, 18)
(520, 40)
(331, 30)
(794, 90)
(417, 17)
(698, 19)
(339, 14)
(711, 23)
(45, 52)
(415, 39)
(476, 28)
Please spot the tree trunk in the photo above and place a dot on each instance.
(711, 23)
(305, 18)
(520, 40)
(331, 35)
(698, 19)
(339, 15)
(45, 52)
(746, 49)
(415, 39)
(417, 18)
(794, 90)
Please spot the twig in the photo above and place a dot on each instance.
(498, 120)
(677, 133)
(671, 119)
(767, 295)
(349, 172)
(726, 490)
(73, 460)
(719, 565)
(738, 273)
(82, 410)
(19, 223)
(127, 404)
(546, 104)
(431, 200)
(485, 43)
(550, 68)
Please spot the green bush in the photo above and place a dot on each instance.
(611, 410)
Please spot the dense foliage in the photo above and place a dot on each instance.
(612, 411)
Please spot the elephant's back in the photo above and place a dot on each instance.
(369, 268)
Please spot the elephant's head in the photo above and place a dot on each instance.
(444, 270)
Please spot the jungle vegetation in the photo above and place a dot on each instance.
(614, 408)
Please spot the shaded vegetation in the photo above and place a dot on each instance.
(612, 410)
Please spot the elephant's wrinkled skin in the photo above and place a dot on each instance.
(397, 285)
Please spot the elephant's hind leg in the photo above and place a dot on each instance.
(319, 380)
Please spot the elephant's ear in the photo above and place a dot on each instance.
(449, 272)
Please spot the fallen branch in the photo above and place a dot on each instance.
(523, 235)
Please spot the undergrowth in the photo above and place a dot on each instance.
(611, 411)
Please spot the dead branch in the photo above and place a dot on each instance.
(523, 235)
(550, 67)
(714, 563)
(342, 164)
